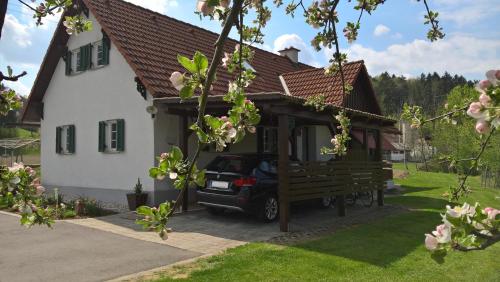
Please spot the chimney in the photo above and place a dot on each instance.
(290, 52)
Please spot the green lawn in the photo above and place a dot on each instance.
(390, 249)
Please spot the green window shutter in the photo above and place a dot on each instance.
(120, 124)
(102, 136)
(79, 65)
(89, 56)
(58, 140)
(106, 46)
(71, 139)
(68, 62)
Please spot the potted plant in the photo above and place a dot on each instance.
(138, 198)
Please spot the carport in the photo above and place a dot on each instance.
(361, 169)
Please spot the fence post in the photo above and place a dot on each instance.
(340, 202)
(378, 157)
(284, 207)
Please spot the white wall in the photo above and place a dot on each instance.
(323, 139)
(85, 99)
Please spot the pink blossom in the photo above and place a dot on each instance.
(203, 7)
(40, 190)
(484, 84)
(431, 242)
(224, 4)
(16, 167)
(484, 99)
(443, 233)
(251, 129)
(491, 212)
(227, 125)
(492, 76)
(177, 80)
(482, 126)
(163, 156)
(475, 110)
(226, 59)
(497, 74)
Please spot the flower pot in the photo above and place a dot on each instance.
(136, 200)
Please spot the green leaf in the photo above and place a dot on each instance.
(144, 210)
(177, 153)
(201, 62)
(186, 92)
(187, 64)
(154, 172)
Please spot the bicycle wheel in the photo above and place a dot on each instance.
(366, 198)
(350, 199)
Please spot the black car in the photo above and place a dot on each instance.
(246, 183)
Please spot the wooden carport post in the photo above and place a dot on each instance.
(183, 145)
(283, 172)
(378, 158)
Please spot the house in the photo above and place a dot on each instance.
(93, 90)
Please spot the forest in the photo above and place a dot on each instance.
(428, 91)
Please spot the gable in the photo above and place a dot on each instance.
(150, 42)
(314, 82)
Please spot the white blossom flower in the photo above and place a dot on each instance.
(431, 242)
(172, 175)
(16, 167)
(177, 80)
(204, 8)
(443, 233)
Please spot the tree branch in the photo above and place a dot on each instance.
(216, 59)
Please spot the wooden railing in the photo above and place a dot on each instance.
(312, 180)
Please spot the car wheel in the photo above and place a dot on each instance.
(215, 211)
(270, 208)
(325, 202)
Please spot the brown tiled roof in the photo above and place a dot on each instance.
(151, 41)
(312, 82)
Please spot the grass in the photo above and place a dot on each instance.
(390, 249)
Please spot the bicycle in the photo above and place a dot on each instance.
(366, 198)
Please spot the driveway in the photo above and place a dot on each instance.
(71, 252)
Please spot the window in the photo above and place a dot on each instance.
(100, 53)
(112, 135)
(269, 140)
(78, 59)
(65, 139)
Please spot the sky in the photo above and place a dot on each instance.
(392, 39)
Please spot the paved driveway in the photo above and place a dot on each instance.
(71, 252)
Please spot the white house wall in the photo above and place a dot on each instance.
(83, 100)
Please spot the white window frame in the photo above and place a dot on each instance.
(95, 54)
(109, 135)
(77, 59)
(65, 140)
(269, 139)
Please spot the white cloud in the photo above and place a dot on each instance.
(160, 6)
(306, 55)
(16, 31)
(457, 54)
(465, 12)
(381, 30)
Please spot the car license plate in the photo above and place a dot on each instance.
(220, 184)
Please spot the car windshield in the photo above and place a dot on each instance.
(235, 164)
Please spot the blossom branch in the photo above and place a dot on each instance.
(462, 188)
(219, 50)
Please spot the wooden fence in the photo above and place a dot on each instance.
(312, 180)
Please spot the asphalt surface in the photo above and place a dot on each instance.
(69, 252)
